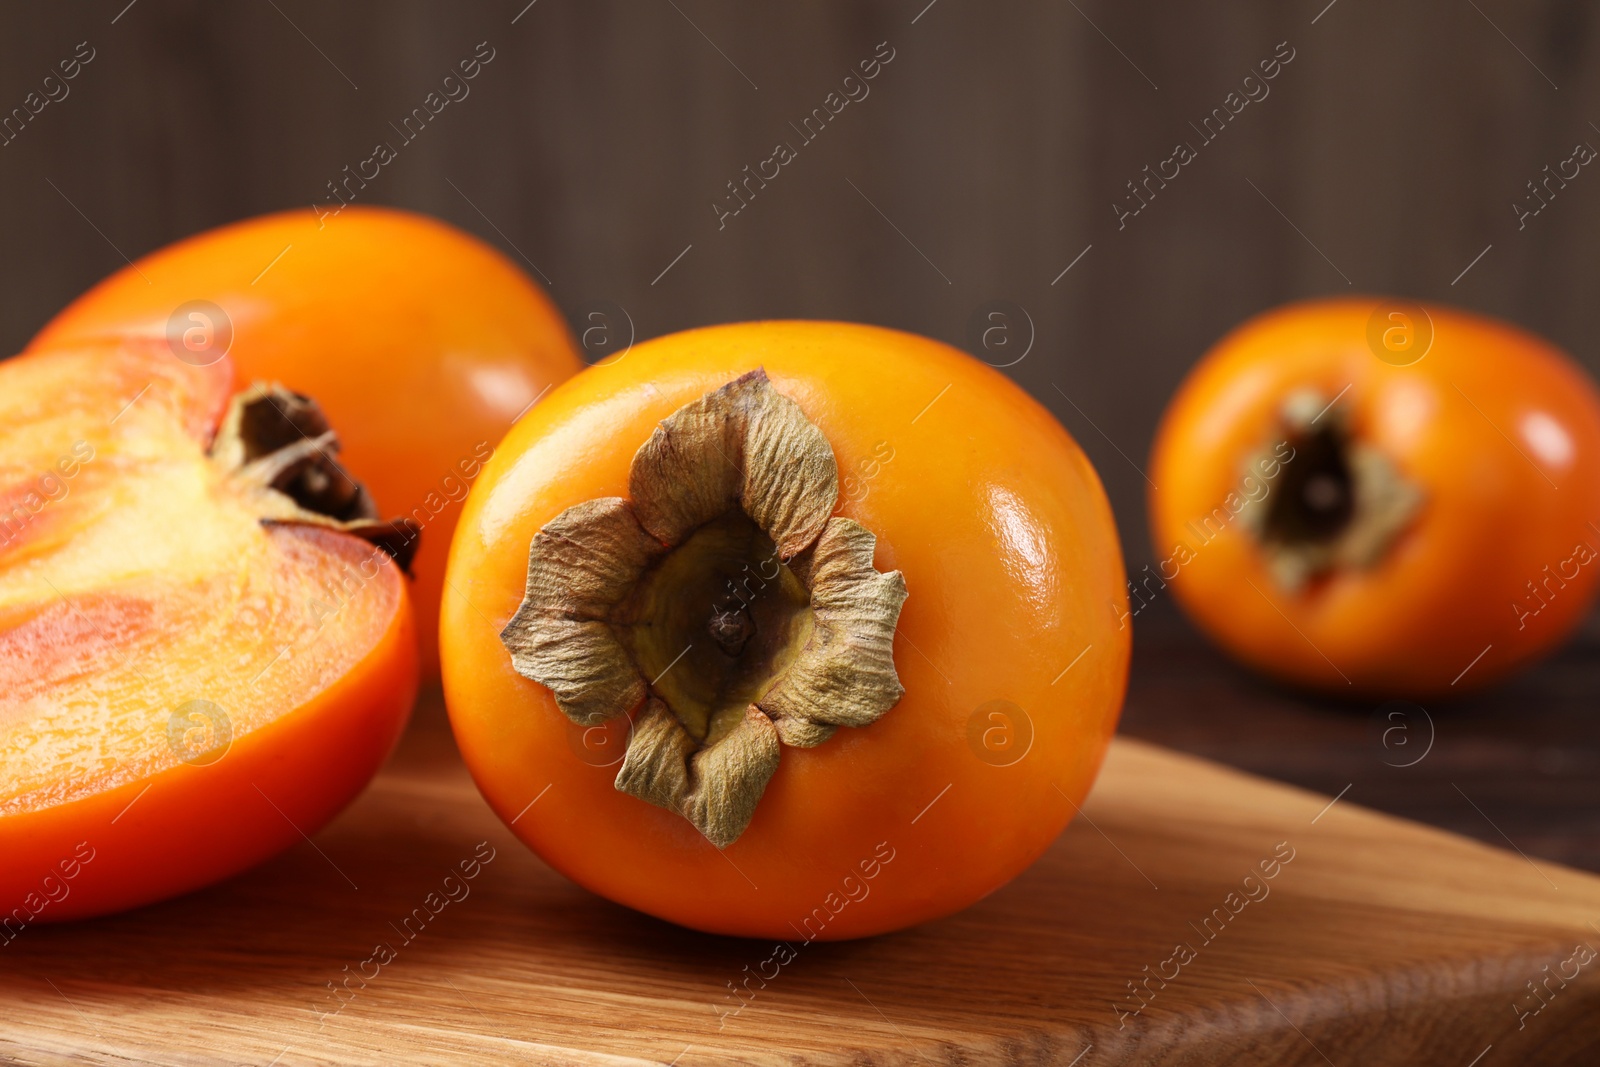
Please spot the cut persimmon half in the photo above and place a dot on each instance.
(206, 643)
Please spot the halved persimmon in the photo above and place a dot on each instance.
(421, 343)
(1371, 496)
(203, 654)
(786, 629)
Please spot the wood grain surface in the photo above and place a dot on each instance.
(1514, 766)
(1377, 942)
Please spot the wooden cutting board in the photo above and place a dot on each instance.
(1378, 942)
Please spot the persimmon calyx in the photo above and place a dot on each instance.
(279, 446)
(721, 600)
(1342, 504)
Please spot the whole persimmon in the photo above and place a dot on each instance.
(1373, 497)
(420, 342)
(786, 629)
(203, 654)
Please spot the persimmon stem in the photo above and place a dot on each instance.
(731, 629)
(1342, 502)
(723, 606)
(1316, 500)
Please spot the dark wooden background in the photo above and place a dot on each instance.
(985, 160)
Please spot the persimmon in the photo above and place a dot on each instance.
(205, 648)
(789, 629)
(1373, 497)
(420, 342)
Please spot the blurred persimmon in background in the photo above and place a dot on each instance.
(1370, 496)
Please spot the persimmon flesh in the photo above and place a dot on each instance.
(786, 629)
(420, 342)
(1374, 498)
(194, 669)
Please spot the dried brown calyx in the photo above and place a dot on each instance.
(1339, 503)
(722, 598)
(279, 446)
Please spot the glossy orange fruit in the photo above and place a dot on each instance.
(1007, 645)
(420, 342)
(1371, 496)
(194, 668)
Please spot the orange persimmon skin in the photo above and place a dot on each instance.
(420, 342)
(1499, 429)
(303, 636)
(1010, 555)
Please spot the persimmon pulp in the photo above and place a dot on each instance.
(170, 573)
